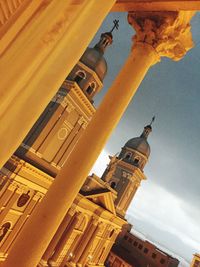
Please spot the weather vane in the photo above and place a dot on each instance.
(116, 25)
(153, 119)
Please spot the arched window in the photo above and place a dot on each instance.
(128, 155)
(113, 185)
(23, 199)
(136, 160)
(91, 88)
(80, 75)
(4, 229)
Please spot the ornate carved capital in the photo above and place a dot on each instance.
(167, 32)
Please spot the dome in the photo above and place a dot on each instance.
(139, 144)
(93, 58)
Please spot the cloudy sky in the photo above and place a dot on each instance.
(166, 208)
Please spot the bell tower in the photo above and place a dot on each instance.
(125, 172)
(54, 135)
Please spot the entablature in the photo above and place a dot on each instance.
(156, 5)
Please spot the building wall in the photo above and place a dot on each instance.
(139, 253)
(56, 132)
(89, 229)
(116, 261)
(21, 191)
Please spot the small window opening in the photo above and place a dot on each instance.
(128, 156)
(162, 261)
(153, 255)
(91, 88)
(4, 229)
(111, 233)
(146, 250)
(113, 185)
(140, 246)
(136, 161)
(80, 75)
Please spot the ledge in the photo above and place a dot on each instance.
(155, 5)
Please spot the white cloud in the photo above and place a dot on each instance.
(101, 163)
(155, 205)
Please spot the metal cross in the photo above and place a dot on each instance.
(116, 25)
(153, 119)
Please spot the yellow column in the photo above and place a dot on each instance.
(51, 247)
(38, 60)
(84, 240)
(83, 258)
(108, 248)
(14, 191)
(66, 235)
(42, 225)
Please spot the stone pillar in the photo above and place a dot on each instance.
(51, 247)
(14, 192)
(100, 245)
(38, 60)
(67, 233)
(109, 246)
(165, 34)
(84, 240)
(84, 256)
(6, 246)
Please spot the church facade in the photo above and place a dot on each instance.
(92, 224)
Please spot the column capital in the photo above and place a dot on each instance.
(168, 32)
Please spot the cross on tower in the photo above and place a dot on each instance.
(116, 25)
(153, 119)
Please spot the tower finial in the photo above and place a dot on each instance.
(116, 25)
(152, 120)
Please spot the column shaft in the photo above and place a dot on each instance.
(84, 256)
(67, 233)
(50, 249)
(9, 205)
(83, 242)
(39, 59)
(41, 226)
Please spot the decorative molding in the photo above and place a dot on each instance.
(82, 121)
(155, 5)
(7, 9)
(69, 107)
(167, 32)
(38, 196)
(30, 169)
(74, 89)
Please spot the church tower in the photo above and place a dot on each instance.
(54, 135)
(125, 172)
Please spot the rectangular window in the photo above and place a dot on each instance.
(146, 250)
(140, 246)
(135, 243)
(162, 261)
(153, 255)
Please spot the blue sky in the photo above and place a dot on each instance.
(166, 208)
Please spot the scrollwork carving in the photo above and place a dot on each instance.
(167, 32)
